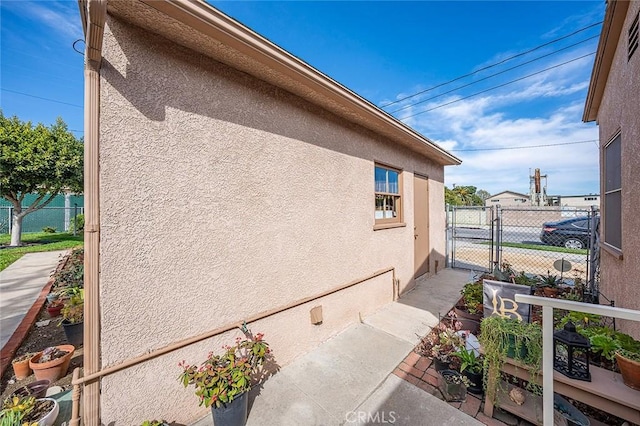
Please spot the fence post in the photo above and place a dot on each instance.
(498, 239)
(75, 219)
(10, 219)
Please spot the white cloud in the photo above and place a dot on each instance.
(60, 16)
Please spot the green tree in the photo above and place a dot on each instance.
(483, 195)
(463, 196)
(36, 160)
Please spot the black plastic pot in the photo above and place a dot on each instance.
(74, 332)
(233, 414)
(440, 365)
(476, 382)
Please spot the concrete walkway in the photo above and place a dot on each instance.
(348, 379)
(20, 286)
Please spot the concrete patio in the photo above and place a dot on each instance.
(349, 379)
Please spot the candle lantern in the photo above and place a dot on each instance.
(571, 353)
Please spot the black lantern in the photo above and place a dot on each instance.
(571, 353)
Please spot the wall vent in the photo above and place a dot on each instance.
(633, 37)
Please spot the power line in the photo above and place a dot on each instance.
(40, 97)
(492, 75)
(492, 65)
(497, 87)
(522, 147)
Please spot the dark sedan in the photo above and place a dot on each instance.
(574, 233)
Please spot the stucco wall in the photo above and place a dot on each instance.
(619, 111)
(220, 197)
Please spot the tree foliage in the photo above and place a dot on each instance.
(464, 196)
(37, 160)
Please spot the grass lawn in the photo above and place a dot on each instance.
(544, 247)
(38, 241)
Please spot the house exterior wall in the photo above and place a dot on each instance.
(619, 112)
(222, 196)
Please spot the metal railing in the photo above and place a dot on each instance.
(548, 305)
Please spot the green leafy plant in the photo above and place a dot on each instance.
(634, 356)
(49, 229)
(503, 337)
(551, 281)
(472, 296)
(73, 310)
(78, 219)
(222, 378)
(15, 409)
(154, 423)
(469, 361)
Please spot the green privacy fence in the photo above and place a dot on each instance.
(58, 214)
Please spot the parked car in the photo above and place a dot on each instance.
(572, 233)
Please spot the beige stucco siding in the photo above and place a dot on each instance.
(620, 109)
(221, 197)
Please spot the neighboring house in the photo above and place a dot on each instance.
(507, 199)
(613, 101)
(226, 178)
(579, 201)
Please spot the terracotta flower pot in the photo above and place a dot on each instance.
(54, 310)
(630, 371)
(21, 369)
(550, 291)
(55, 369)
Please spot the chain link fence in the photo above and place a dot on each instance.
(59, 218)
(530, 240)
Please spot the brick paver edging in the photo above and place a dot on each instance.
(419, 371)
(9, 350)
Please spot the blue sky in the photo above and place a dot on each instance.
(386, 51)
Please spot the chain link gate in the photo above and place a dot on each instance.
(527, 239)
(470, 237)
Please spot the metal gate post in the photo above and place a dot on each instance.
(498, 239)
(453, 236)
(491, 231)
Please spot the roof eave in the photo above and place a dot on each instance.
(609, 36)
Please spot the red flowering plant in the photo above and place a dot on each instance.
(222, 378)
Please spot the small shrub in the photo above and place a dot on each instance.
(49, 229)
(80, 220)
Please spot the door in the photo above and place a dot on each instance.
(420, 225)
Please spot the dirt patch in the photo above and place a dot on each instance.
(38, 339)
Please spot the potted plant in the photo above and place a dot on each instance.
(223, 382)
(453, 385)
(549, 284)
(441, 345)
(52, 363)
(54, 308)
(629, 365)
(471, 368)
(21, 367)
(469, 310)
(37, 389)
(502, 338)
(73, 316)
(29, 411)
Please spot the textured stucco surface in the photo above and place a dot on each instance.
(619, 111)
(222, 196)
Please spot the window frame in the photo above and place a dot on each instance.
(398, 220)
(610, 193)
